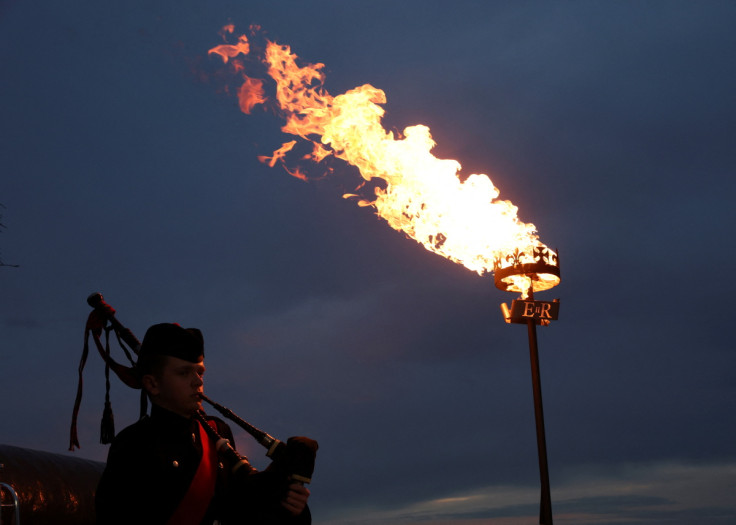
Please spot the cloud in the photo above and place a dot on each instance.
(678, 493)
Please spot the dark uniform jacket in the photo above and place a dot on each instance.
(151, 464)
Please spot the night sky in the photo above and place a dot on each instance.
(126, 169)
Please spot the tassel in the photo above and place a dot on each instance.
(73, 437)
(107, 427)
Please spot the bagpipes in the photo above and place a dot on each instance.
(297, 455)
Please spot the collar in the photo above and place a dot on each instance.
(169, 419)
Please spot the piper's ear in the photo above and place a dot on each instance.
(150, 384)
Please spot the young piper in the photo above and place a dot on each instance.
(164, 468)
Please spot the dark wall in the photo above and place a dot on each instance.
(52, 488)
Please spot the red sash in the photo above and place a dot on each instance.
(193, 507)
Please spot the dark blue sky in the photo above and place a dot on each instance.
(611, 125)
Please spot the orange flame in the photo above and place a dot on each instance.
(227, 51)
(422, 196)
(279, 154)
(250, 94)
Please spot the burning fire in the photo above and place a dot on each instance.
(418, 194)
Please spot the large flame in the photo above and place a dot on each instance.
(461, 219)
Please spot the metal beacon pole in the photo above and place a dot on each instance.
(516, 274)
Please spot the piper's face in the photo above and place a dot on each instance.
(179, 386)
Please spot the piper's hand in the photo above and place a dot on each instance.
(295, 499)
(300, 455)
